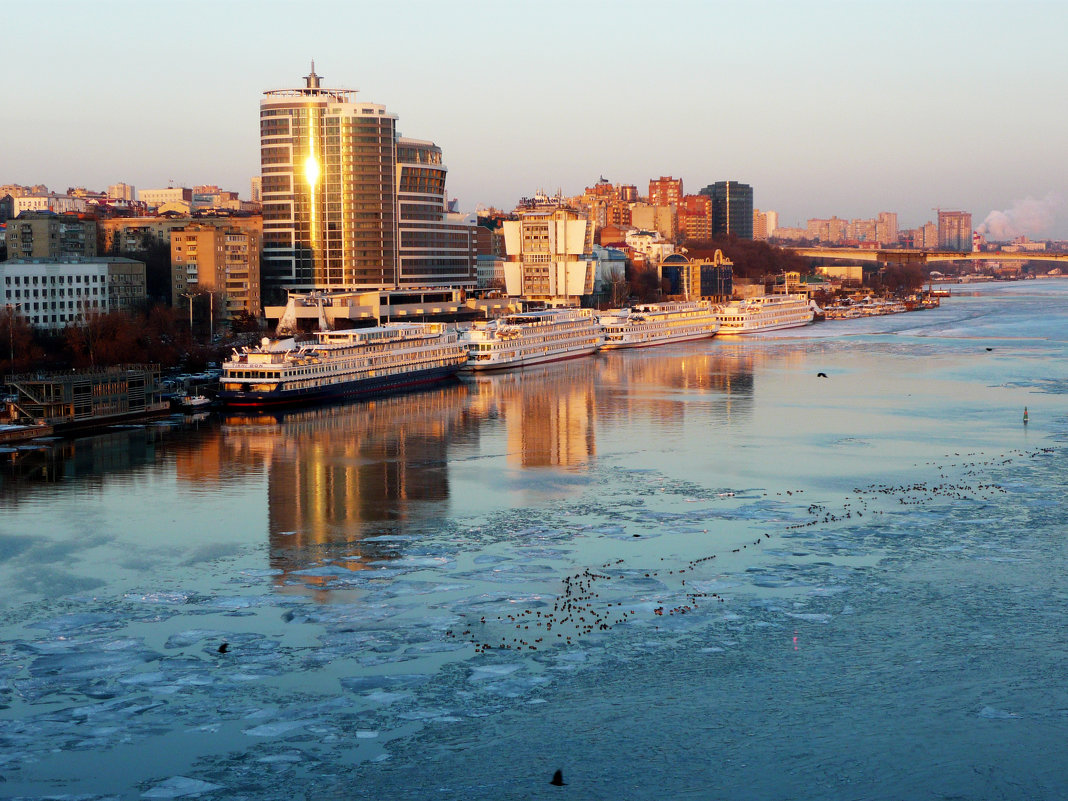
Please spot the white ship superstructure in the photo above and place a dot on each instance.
(659, 323)
(765, 313)
(533, 337)
(339, 363)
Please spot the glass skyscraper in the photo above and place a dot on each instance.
(332, 219)
(732, 208)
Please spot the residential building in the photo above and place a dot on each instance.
(732, 208)
(886, 228)
(764, 224)
(549, 255)
(955, 230)
(649, 246)
(221, 260)
(122, 191)
(256, 189)
(137, 234)
(42, 235)
(694, 215)
(833, 231)
(665, 191)
(654, 218)
(53, 294)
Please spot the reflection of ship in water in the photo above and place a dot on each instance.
(91, 460)
(656, 382)
(548, 412)
(338, 474)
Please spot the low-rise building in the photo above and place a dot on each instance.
(54, 294)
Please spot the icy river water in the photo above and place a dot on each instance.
(690, 572)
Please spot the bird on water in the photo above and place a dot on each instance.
(558, 779)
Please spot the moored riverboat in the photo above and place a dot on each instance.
(765, 313)
(533, 337)
(658, 324)
(360, 361)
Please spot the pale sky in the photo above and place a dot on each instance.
(825, 108)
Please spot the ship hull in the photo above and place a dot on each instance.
(363, 387)
(511, 364)
(654, 342)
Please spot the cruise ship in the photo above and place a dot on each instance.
(359, 361)
(659, 323)
(533, 337)
(765, 313)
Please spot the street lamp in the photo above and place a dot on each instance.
(190, 295)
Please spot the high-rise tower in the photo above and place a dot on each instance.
(348, 204)
(328, 164)
(732, 208)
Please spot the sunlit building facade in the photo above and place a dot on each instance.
(955, 230)
(347, 204)
(549, 255)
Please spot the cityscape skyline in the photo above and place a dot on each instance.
(948, 116)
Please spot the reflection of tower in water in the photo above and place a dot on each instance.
(548, 412)
(338, 474)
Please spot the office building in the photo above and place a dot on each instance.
(53, 294)
(732, 208)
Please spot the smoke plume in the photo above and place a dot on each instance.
(1029, 217)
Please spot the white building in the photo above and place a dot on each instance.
(153, 198)
(59, 204)
(55, 294)
(649, 244)
(549, 257)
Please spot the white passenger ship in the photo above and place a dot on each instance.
(765, 313)
(533, 337)
(659, 323)
(358, 361)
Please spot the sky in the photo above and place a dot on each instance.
(824, 108)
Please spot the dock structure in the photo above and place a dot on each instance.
(87, 397)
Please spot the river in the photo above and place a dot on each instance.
(696, 571)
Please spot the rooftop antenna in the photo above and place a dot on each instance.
(312, 79)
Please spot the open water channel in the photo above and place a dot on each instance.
(688, 572)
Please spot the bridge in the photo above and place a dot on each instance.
(904, 256)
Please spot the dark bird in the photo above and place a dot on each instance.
(558, 779)
(821, 375)
(224, 648)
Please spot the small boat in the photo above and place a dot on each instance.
(192, 403)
